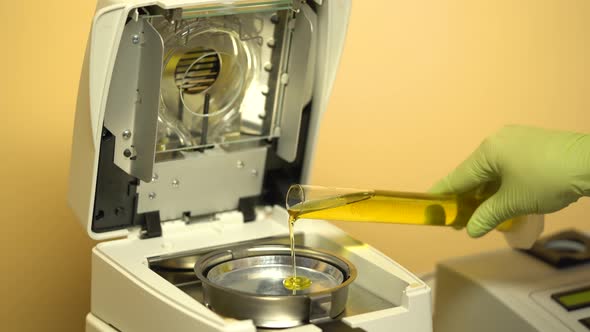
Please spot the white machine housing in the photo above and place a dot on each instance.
(117, 106)
(512, 290)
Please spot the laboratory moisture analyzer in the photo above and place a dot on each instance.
(544, 289)
(193, 119)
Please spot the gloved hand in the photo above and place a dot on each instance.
(540, 171)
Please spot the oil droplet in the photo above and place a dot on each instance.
(296, 283)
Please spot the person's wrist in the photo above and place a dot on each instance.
(580, 164)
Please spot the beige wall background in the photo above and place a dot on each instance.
(422, 82)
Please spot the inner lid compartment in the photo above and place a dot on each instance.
(207, 112)
(219, 79)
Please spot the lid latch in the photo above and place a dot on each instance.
(152, 227)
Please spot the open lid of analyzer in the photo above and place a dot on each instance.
(205, 108)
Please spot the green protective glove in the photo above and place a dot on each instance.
(540, 171)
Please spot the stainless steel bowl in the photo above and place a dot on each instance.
(247, 283)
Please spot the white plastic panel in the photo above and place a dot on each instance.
(333, 17)
(104, 42)
(94, 324)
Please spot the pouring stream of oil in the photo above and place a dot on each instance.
(294, 282)
(384, 207)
